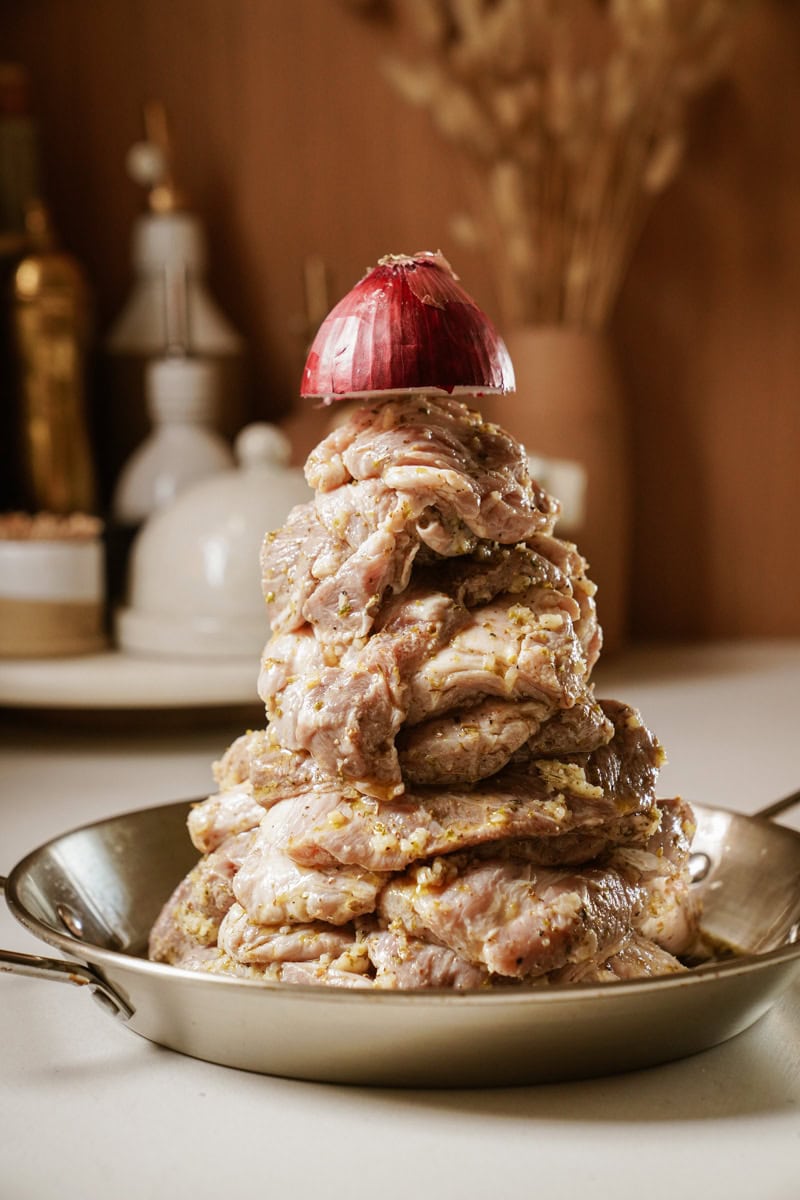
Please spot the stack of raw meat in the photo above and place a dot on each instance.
(438, 799)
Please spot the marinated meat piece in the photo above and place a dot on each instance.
(670, 916)
(429, 655)
(628, 765)
(672, 841)
(515, 919)
(323, 823)
(321, 828)
(274, 890)
(405, 962)
(639, 959)
(565, 557)
(474, 743)
(348, 723)
(493, 570)
(587, 630)
(404, 473)
(205, 958)
(353, 515)
(381, 548)
(579, 846)
(465, 583)
(667, 847)
(287, 657)
(636, 958)
(446, 457)
(581, 729)
(334, 972)
(347, 716)
(402, 962)
(191, 918)
(323, 974)
(332, 820)
(277, 773)
(223, 815)
(468, 744)
(234, 766)
(337, 556)
(515, 648)
(288, 558)
(247, 942)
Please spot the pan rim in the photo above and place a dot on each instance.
(111, 960)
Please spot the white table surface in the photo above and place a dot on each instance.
(89, 1110)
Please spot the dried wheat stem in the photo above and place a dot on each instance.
(563, 154)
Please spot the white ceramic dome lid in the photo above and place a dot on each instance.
(195, 582)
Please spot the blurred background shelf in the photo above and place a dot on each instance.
(114, 682)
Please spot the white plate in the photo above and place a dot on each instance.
(123, 681)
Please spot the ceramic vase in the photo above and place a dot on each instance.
(569, 405)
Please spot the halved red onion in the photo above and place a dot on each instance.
(407, 326)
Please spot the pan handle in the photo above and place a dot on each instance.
(64, 971)
(780, 806)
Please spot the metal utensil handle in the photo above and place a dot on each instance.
(780, 806)
(63, 971)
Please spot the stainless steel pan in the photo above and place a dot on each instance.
(94, 893)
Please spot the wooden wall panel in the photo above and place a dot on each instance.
(707, 332)
(290, 143)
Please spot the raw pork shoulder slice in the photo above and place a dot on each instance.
(403, 474)
(468, 744)
(429, 655)
(347, 715)
(670, 917)
(520, 920)
(513, 918)
(191, 918)
(473, 743)
(446, 457)
(516, 647)
(321, 829)
(223, 815)
(320, 823)
(347, 970)
(274, 890)
(234, 766)
(247, 942)
(637, 958)
(627, 766)
(334, 560)
(405, 962)
(280, 774)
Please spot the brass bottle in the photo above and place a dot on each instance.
(51, 327)
(19, 183)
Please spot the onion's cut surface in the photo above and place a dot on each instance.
(407, 326)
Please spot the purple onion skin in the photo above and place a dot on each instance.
(407, 324)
